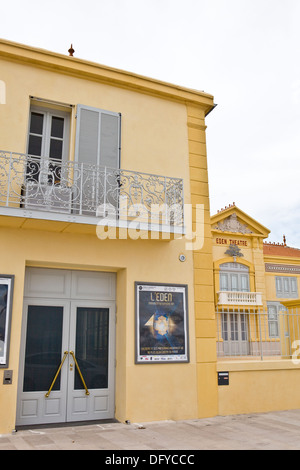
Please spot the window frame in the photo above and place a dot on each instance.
(286, 287)
(234, 272)
(48, 113)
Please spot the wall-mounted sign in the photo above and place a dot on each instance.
(161, 323)
(6, 293)
(228, 241)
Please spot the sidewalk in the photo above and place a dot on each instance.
(276, 431)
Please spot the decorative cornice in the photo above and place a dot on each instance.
(282, 268)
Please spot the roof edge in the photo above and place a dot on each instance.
(71, 65)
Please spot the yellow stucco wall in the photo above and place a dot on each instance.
(271, 285)
(154, 132)
(162, 385)
(259, 387)
(203, 269)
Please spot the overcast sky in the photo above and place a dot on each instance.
(244, 52)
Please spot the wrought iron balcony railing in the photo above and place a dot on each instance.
(261, 334)
(76, 190)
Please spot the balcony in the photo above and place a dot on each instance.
(239, 298)
(48, 189)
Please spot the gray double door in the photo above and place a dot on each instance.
(67, 357)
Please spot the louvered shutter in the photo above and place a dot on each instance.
(97, 147)
(279, 288)
(97, 137)
(87, 136)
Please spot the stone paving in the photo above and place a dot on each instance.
(266, 431)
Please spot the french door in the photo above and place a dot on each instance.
(67, 361)
(235, 334)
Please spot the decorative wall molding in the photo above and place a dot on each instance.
(282, 268)
(232, 224)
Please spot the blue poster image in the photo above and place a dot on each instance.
(162, 332)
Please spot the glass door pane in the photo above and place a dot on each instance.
(43, 347)
(56, 149)
(245, 283)
(91, 345)
(234, 282)
(35, 146)
(224, 281)
(234, 336)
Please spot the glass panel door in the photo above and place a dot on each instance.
(46, 336)
(92, 347)
(67, 351)
(91, 375)
(235, 334)
(43, 347)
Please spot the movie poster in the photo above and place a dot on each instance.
(161, 323)
(5, 314)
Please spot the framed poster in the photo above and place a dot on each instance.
(161, 323)
(6, 293)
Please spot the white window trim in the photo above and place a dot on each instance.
(48, 112)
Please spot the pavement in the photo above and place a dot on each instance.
(263, 431)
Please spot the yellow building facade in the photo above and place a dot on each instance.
(97, 165)
(120, 296)
(257, 316)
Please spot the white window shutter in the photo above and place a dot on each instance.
(87, 136)
(97, 145)
(97, 137)
(109, 140)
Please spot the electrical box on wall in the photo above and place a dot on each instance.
(7, 377)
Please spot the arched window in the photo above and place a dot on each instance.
(234, 277)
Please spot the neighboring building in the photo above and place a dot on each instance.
(257, 315)
(101, 314)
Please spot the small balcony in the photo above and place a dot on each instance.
(239, 298)
(41, 188)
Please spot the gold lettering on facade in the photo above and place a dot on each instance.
(225, 241)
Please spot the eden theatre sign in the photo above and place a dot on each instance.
(228, 241)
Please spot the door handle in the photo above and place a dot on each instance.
(57, 373)
(79, 372)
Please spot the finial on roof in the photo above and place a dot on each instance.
(284, 240)
(71, 51)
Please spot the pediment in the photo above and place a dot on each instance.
(234, 220)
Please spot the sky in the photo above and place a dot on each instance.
(243, 52)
